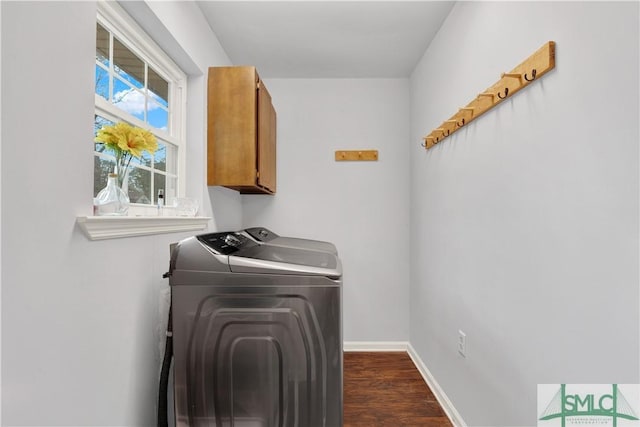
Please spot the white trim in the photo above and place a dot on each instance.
(113, 227)
(127, 29)
(375, 345)
(181, 92)
(453, 415)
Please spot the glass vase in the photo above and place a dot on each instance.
(111, 200)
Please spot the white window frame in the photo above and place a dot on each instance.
(116, 20)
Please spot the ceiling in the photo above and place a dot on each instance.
(326, 39)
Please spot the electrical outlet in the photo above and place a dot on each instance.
(462, 343)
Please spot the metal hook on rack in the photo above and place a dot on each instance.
(456, 122)
(441, 130)
(533, 76)
(506, 93)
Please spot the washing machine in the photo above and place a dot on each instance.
(257, 334)
(266, 236)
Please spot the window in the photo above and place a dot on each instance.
(137, 83)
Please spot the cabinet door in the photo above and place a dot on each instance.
(266, 140)
(232, 136)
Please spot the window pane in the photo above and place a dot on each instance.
(166, 158)
(140, 186)
(159, 182)
(159, 87)
(160, 157)
(98, 122)
(127, 65)
(168, 184)
(102, 45)
(128, 99)
(157, 116)
(101, 168)
(144, 160)
(135, 162)
(102, 82)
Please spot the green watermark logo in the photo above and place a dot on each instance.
(588, 405)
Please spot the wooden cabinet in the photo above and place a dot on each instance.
(241, 131)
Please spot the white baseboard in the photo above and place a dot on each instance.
(375, 345)
(445, 403)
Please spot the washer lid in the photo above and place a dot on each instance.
(266, 259)
(294, 242)
(264, 235)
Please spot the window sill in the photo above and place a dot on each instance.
(113, 227)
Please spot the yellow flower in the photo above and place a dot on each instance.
(150, 142)
(127, 139)
(107, 136)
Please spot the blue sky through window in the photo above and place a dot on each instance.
(132, 100)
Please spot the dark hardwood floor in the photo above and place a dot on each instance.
(386, 389)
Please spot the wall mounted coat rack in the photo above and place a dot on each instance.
(531, 69)
(356, 155)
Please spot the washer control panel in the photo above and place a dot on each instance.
(261, 234)
(226, 243)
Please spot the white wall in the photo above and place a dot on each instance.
(81, 320)
(525, 223)
(362, 207)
